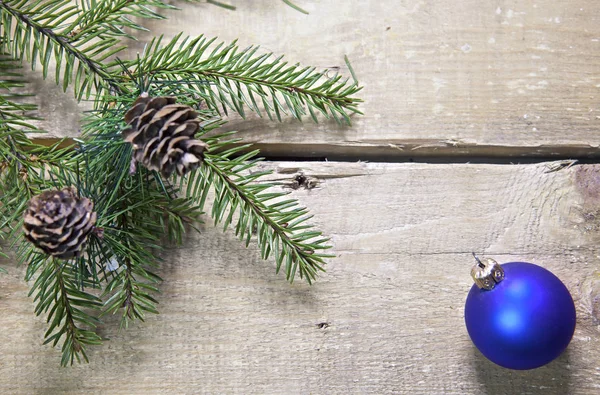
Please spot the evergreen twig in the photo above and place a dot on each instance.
(280, 224)
(227, 77)
(44, 31)
(136, 211)
(58, 295)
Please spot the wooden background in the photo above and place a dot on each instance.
(471, 81)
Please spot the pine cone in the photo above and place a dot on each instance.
(58, 222)
(162, 135)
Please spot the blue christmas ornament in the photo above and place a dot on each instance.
(519, 315)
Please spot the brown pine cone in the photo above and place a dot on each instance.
(162, 135)
(58, 222)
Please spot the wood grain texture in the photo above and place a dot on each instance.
(503, 78)
(386, 318)
(493, 78)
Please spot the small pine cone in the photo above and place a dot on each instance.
(58, 222)
(162, 135)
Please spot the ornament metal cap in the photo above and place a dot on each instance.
(487, 273)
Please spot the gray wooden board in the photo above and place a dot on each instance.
(387, 317)
(441, 77)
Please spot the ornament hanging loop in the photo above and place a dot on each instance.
(487, 273)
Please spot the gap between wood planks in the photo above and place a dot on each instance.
(440, 154)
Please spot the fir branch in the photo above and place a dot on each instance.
(229, 78)
(58, 295)
(22, 162)
(131, 232)
(136, 209)
(2, 239)
(131, 287)
(280, 224)
(43, 30)
(36, 34)
(111, 18)
(27, 169)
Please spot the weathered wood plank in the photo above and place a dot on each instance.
(387, 317)
(502, 78)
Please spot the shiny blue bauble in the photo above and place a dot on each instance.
(525, 322)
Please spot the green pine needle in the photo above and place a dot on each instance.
(220, 4)
(67, 306)
(294, 6)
